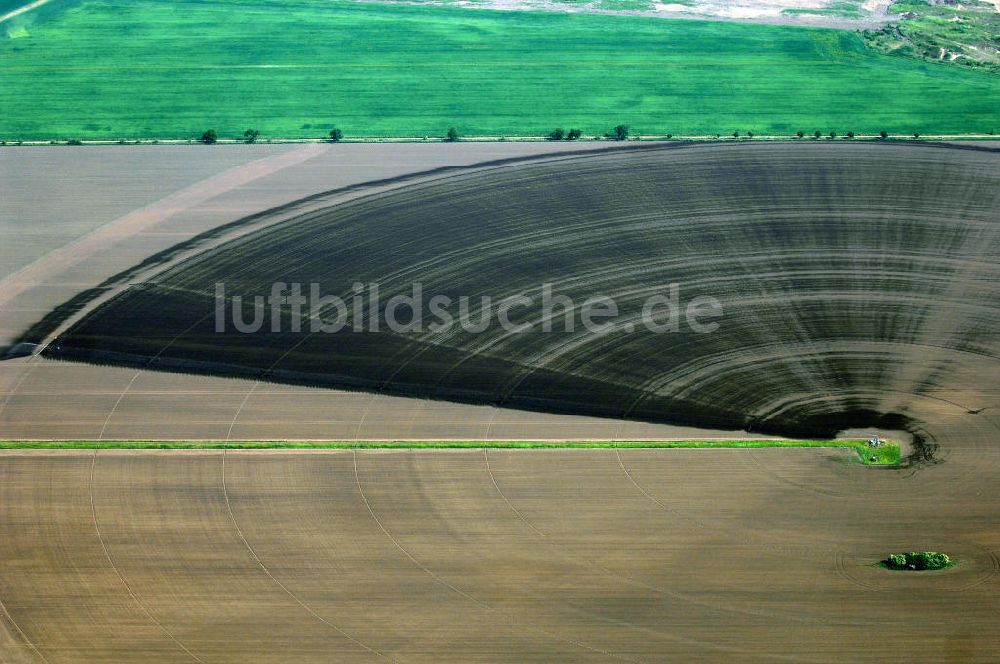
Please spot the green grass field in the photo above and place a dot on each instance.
(295, 68)
(888, 454)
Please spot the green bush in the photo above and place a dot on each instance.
(918, 560)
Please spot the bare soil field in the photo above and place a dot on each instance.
(503, 555)
(73, 218)
(850, 277)
(123, 223)
(871, 266)
(847, 14)
(52, 400)
(50, 197)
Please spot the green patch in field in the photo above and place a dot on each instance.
(626, 5)
(887, 454)
(917, 561)
(179, 67)
(839, 9)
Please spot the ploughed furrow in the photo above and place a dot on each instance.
(495, 556)
(852, 281)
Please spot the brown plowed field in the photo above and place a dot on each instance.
(505, 555)
(850, 277)
(543, 555)
(69, 219)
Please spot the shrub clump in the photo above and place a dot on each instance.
(918, 561)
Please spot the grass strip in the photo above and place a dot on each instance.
(887, 454)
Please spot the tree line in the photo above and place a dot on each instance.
(618, 133)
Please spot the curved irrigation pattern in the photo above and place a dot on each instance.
(853, 280)
(858, 286)
(465, 555)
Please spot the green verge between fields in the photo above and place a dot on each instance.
(887, 454)
(174, 68)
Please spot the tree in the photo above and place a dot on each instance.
(883, 134)
(573, 134)
(736, 134)
(621, 132)
(336, 135)
(557, 134)
(817, 133)
(937, 560)
(749, 134)
(916, 135)
(452, 135)
(209, 137)
(918, 560)
(850, 134)
(833, 135)
(251, 135)
(800, 134)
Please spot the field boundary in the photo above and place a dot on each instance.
(636, 138)
(887, 454)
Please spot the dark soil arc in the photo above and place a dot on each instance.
(854, 278)
(51, 321)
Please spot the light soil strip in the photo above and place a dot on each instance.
(879, 8)
(23, 10)
(200, 193)
(46, 268)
